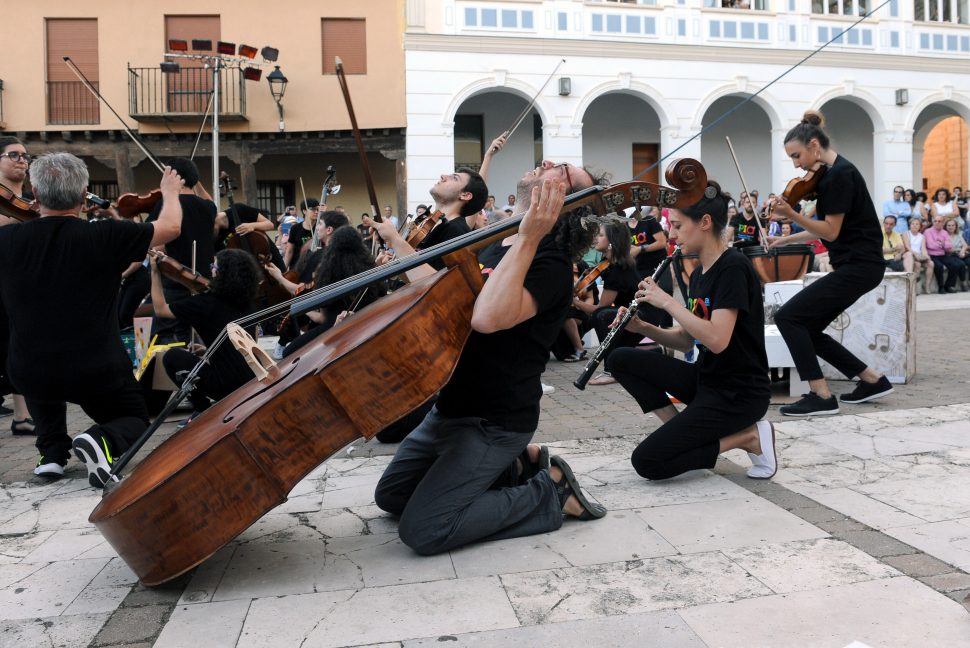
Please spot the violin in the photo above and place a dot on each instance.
(174, 270)
(806, 187)
(417, 231)
(591, 275)
(240, 458)
(17, 207)
(130, 205)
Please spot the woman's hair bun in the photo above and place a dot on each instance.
(712, 191)
(813, 117)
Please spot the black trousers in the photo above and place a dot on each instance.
(954, 267)
(802, 320)
(691, 439)
(172, 330)
(120, 416)
(178, 360)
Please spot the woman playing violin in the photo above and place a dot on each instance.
(13, 173)
(848, 225)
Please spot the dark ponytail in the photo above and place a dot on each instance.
(808, 129)
(714, 203)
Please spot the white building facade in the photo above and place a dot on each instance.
(640, 79)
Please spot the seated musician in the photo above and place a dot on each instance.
(77, 267)
(250, 220)
(459, 196)
(194, 247)
(231, 296)
(727, 389)
(439, 480)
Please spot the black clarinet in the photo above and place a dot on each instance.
(608, 342)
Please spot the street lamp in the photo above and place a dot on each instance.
(277, 87)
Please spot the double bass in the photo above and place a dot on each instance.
(240, 458)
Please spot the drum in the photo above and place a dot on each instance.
(785, 263)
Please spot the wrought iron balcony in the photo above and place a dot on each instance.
(156, 96)
(70, 103)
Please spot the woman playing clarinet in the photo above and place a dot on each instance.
(848, 225)
(727, 389)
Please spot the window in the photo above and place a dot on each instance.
(68, 101)
(681, 27)
(894, 39)
(738, 30)
(855, 37)
(346, 38)
(107, 189)
(469, 141)
(760, 5)
(516, 19)
(954, 11)
(944, 43)
(563, 19)
(189, 90)
(615, 25)
(273, 197)
(841, 7)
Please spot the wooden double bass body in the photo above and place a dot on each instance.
(210, 481)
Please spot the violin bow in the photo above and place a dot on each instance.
(137, 140)
(528, 108)
(371, 193)
(778, 78)
(744, 185)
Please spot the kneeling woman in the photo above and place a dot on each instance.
(231, 295)
(727, 389)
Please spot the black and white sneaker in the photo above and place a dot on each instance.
(49, 470)
(96, 456)
(811, 404)
(868, 391)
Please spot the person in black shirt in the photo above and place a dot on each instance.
(194, 247)
(300, 233)
(13, 174)
(743, 228)
(459, 196)
(250, 220)
(439, 480)
(727, 389)
(849, 227)
(77, 267)
(231, 295)
(619, 284)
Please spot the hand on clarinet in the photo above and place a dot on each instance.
(650, 293)
(620, 315)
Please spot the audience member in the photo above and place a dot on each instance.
(898, 207)
(938, 246)
(918, 260)
(893, 247)
(959, 252)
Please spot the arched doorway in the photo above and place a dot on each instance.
(940, 149)
(851, 132)
(750, 131)
(623, 152)
(483, 117)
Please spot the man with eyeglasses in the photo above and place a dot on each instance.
(898, 208)
(13, 174)
(66, 347)
(467, 472)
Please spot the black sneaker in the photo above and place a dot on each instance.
(811, 404)
(96, 456)
(868, 391)
(48, 469)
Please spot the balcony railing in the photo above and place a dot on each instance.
(70, 103)
(154, 95)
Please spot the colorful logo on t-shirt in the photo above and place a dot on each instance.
(745, 232)
(639, 238)
(700, 307)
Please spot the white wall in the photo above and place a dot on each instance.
(750, 131)
(851, 132)
(608, 147)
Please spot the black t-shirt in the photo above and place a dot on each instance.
(59, 281)
(444, 231)
(744, 229)
(624, 281)
(645, 233)
(198, 223)
(842, 190)
(731, 282)
(497, 377)
(208, 314)
(244, 213)
(298, 236)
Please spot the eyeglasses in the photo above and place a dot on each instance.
(565, 171)
(16, 156)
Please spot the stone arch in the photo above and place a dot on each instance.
(765, 101)
(490, 84)
(862, 98)
(651, 96)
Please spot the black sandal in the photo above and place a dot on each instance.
(527, 469)
(568, 486)
(23, 427)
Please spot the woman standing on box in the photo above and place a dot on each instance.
(848, 225)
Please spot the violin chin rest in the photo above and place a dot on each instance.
(259, 361)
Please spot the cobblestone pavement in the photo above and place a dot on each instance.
(863, 536)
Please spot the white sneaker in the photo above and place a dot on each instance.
(764, 465)
(547, 389)
(49, 471)
(277, 353)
